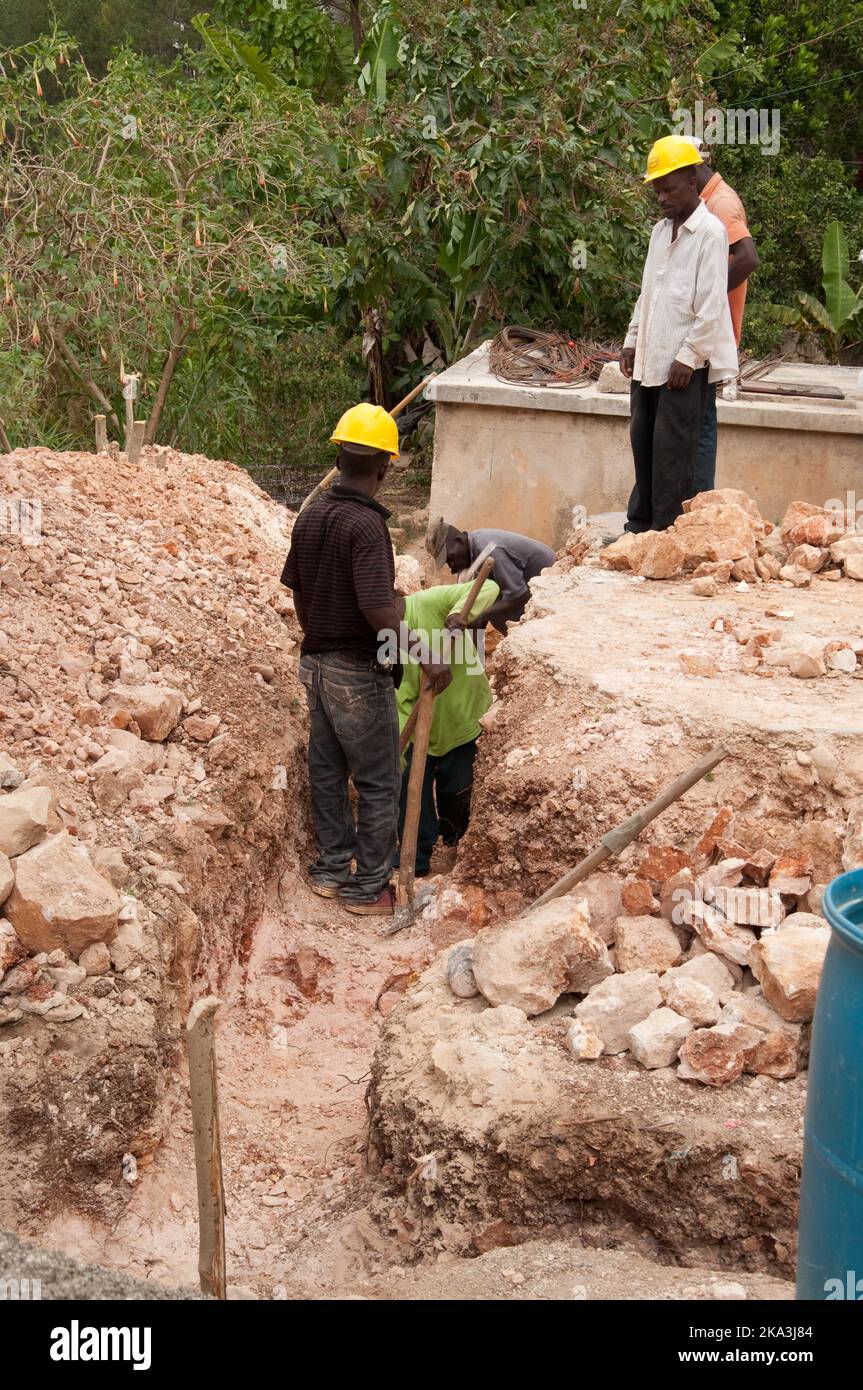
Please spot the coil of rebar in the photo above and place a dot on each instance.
(541, 357)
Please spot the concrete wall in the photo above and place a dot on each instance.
(498, 462)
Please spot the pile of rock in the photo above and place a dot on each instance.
(709, 959)
(150, 717)
(763, 648)
(722, 537)
(63, 918)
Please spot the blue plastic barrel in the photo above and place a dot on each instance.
(830, 1258)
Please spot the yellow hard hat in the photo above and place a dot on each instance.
(370, 425)
(670, 153)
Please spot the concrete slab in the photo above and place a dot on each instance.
(522, 457)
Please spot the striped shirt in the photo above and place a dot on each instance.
(682, 312)
(340, 562)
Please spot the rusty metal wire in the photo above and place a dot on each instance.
(536, 357)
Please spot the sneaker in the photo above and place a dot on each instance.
(381, 906)
(325, 887)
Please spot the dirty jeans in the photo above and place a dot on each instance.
(353, 731)
(705, 468)
(445, 802)
(664, 429)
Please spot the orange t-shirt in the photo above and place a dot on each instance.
(724, 203)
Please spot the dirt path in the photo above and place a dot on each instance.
(296, 1036)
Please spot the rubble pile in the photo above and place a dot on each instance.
(149, 724)
(709, 960)
(722, 538)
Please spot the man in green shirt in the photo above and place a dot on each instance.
(455, 726)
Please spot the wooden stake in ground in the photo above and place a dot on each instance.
(4, 439)
(135, 443)
(130, 395)
(201, 1044)
(101, 435)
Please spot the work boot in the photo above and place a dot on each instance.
(324, 885)
(381, 906)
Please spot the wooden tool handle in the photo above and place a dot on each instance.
(410, 832)
(622, 835)
(326, 481)
(412, 395)
(482, 575)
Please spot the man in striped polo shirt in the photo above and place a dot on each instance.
(340, 568)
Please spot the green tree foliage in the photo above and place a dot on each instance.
(804, 59)
(154, 28)
(489, 165)
(283, 203)
(141, 219)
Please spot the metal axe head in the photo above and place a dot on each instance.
(473, 567)
(406, 916)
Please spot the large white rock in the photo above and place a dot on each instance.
(10, 776)
(601, 893)
(23, 819)
(657, 1039)
(690, 998)
(114, 776)
(645, 943)
(718, 934)
(787, 964)
(7, 878)
(60, 899)
(750, 907)
(409, 576)
(154, 708)
(530, 962)
(615, 1005)
(709, 970)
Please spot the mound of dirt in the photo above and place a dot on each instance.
(483, 1121)
(490, 1131)
(148, 656)
(596, 713)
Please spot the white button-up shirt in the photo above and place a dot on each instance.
(682, 312)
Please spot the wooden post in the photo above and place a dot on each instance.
(4, 439)
(101, 435)
(135, 441)
(201, 1044)
(130, 395)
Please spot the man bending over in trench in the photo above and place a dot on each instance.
(517, 560)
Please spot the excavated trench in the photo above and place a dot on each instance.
(374, 1126)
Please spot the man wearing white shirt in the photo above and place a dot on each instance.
(680, 338)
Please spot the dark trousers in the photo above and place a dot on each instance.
(664, 429)
(353, 731)
(705, 468)
(445, 804)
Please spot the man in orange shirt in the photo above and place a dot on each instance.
(724, 203)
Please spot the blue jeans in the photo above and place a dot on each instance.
(705, 467)
(353, 732)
